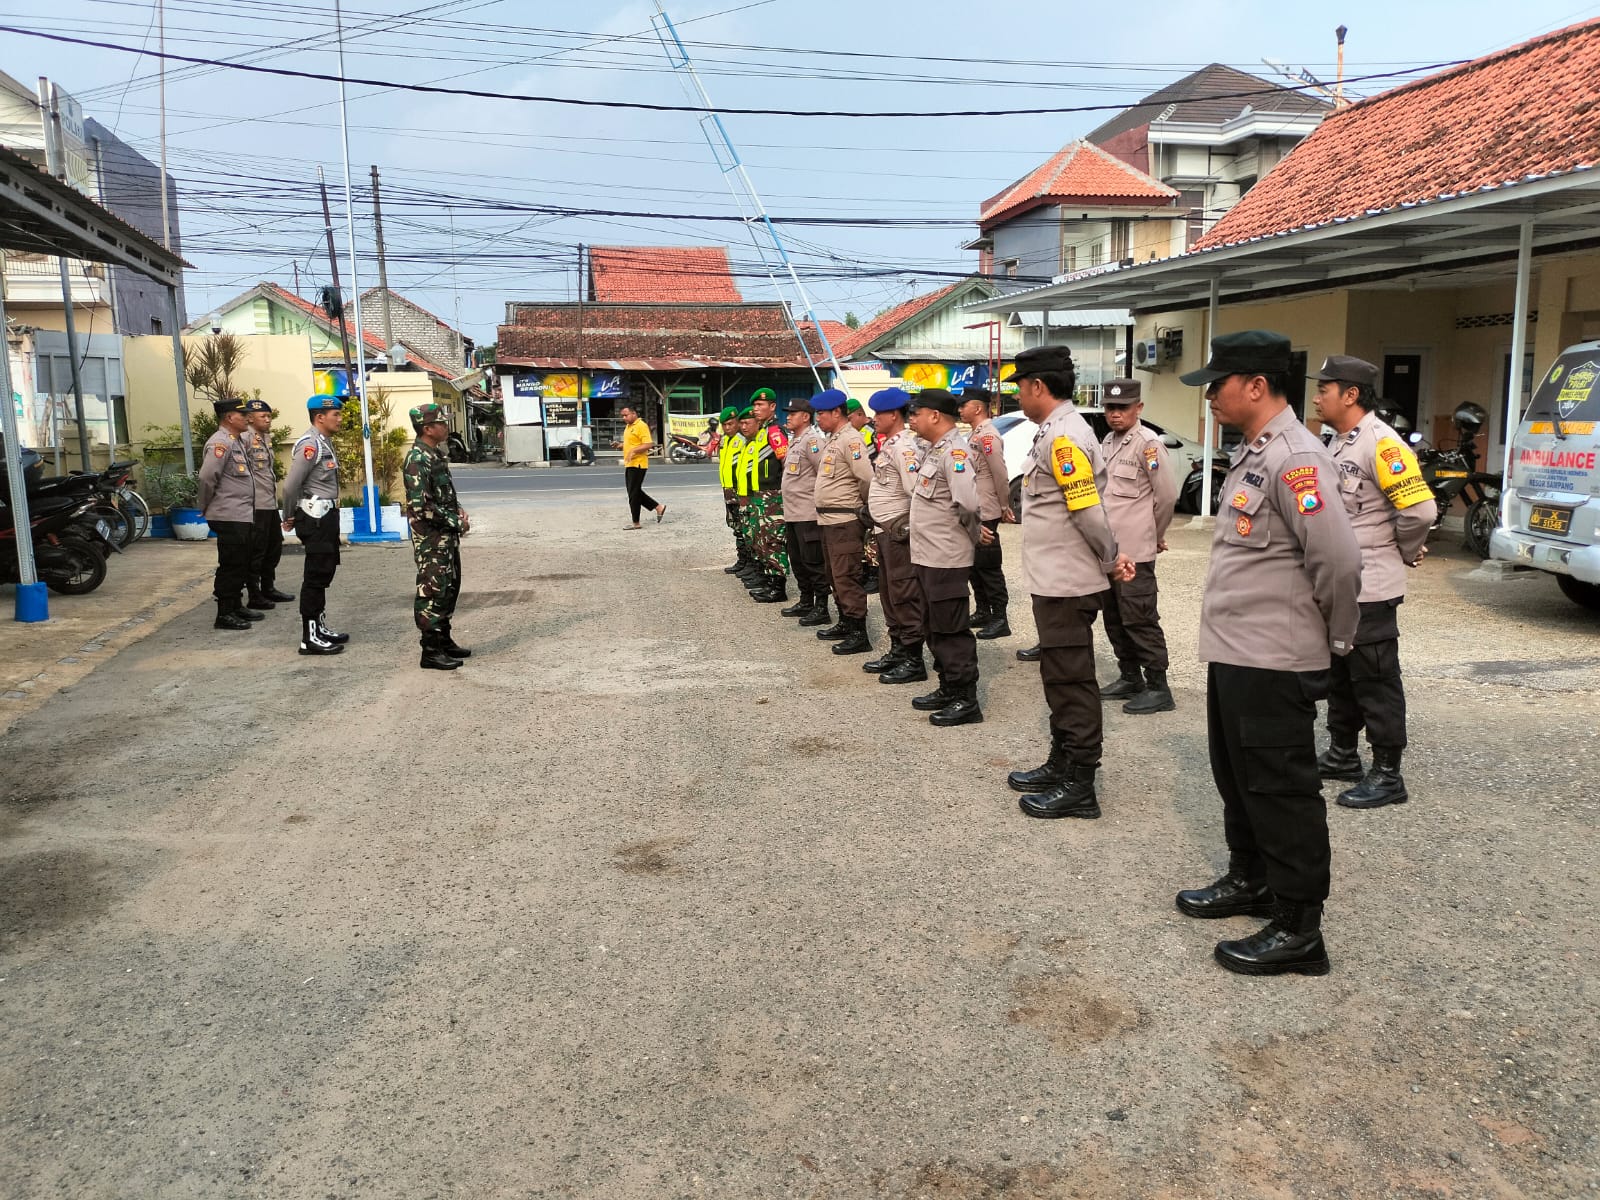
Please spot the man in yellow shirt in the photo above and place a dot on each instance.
(636, 445)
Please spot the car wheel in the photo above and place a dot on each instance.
(1579, 592)
(1016, 496)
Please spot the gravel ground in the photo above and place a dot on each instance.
(657, 898)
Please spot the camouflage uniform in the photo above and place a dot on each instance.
(436, 528)
(764, 508)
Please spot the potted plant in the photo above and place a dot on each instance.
(177, 492)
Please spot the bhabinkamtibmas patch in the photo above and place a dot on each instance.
(1399, 475)
(1074, 475)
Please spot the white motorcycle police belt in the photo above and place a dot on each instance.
(315, 507)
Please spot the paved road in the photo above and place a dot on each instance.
(497, 485)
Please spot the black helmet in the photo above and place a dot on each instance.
(1469, 417)
(1393, 417)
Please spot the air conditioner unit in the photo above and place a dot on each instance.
(1147, 355)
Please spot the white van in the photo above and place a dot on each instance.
(1554, 499)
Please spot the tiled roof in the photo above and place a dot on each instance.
(837, 333)
(1080, 171)
(754, 334)
(1522, 113)
(373, 342)
(661, 275)
(886, 321)
(1209, 96)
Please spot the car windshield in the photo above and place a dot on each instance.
(1571, 390)
(1007, 423)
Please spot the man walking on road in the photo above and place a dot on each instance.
(266, 541)
(438, 523)
(228, 500)
(636, 445)
(1280, 600)
(311, 509)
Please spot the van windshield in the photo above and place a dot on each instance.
(1570, 391)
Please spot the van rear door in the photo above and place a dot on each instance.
(1555, 483)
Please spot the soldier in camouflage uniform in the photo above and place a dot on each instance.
(438, 523)
(764, 459)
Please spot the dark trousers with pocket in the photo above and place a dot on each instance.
(234, 539)
(1261, 728)
(988, 573)
(1364, 686)
(266, 548)
(841, 546)
(947, 624)
(804, 540)
(1066, 668)
(320, 538)
(1133, 623)
(638, 498)
(899, 591)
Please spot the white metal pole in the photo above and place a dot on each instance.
(1207, 457)
(183, 387)
(1519, 350)
(355, 287)
(32, 604)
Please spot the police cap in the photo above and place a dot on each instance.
(939, 400)
(1119, 393)
(223, 407)
(257, 406)
(1251, 352)
(324, 404)
(1349, 370)
(798, 404)
(1041, 360)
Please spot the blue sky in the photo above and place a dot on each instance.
(245, 148)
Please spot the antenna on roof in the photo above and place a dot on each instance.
(1338, 83)
(1302, 77)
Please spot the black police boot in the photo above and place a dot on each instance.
(447, 643)
(1155, 698)
(1055, 769)
(890, 658)
(1291, 943)
(1242, 892)
(869, 582)
(816, 615)
(258, 599)
(839, 630)
(1072, 797)
(980, 617)
(934, 700)
(1340, 761)
(227, 618)
(312, 641)
(1382, 785)
(800, 607)
(329, 635)
(1029, 653)
(434, 657)
(855, 639)
(776, 591)
(963, 710)
(274, 594)
(996, 627)
(1129, 683)
(910, 668)
(736, 566)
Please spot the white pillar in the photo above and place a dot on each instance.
(1519, 349)
(1207, 455)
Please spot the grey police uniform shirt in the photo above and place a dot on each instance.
(944, 505)
(313, 471)
(1140, 492)
(1065, 551)
(1285, 566)
(227, 487)
(989, 468)
(260, 451)
(800, 475)
(843, 476)
(894, 477)
(1391, 525)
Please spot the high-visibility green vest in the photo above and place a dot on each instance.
(750, 463)
(728, 458)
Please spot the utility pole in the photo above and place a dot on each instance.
(333, 266)
(1338, 83)
(383, 271)
(50, 115)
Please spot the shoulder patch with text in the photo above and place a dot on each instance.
(1399, 476)
(1074, 475)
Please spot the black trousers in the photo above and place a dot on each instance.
(1133, 622)
(804, 539)
(320, 537)
(638, 498)
(1066, 668)
(1364, 686)
(946, 617)
(266, 548)
(233, 558)
(1261, 728)
(988, 572)
(900, 592)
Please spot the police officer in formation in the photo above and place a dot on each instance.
(311, 509)
(801, 532)
(228, 500)
(438, 523)
(762, 459)
(1140, 495)
(729, 449)
(1391, 509)
(1281, 601)
(989, 594)
(750, 573)
(266, 538)
(894, 478)
(844, 475)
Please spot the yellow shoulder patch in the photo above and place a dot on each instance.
(1398, 474)
(1074, 474)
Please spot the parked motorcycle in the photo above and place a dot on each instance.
(1189, 490)
(123, 510)
(1453, 474)
(68, 561)
(684, 449)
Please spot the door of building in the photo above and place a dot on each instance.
(1402, 384)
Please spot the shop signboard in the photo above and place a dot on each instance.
(562, 413)
(954, 377)
(570, 385)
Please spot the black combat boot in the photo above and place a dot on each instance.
(869, 581)
(817, 615)
(272, 593)
(329, 635)
(891, 658)
(1029, 653)
(1290, 943)
(248, 613)
(1129, 683)
(1055, 769)
(963, 710)
(447, 643)
(1073, 797)
(1341, 760)
(434, 657)
(800, 607)
(855, 640)
(776, 590)
(934, 700)
(312, 641)
(839, 630)
(996, 626)
(227, 618)
(1156, 696)
(1241, 892)
(258, 598)
(910, 668)
(736, 566)
(980, 617)
(1382, 785)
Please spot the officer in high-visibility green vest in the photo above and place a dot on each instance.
(763, 455)
(728, 449)
(749, 571)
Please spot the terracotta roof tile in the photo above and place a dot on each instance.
(754, 333)
(1079, 171)
(886, 321)
(1521, 113)
(372, 341)
(662, 275)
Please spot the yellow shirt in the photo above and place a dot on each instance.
(634, 439)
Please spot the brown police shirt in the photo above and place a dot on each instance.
(843, 476)
(266, 481)
(1140, 492)
(800, 475)
(894, 477)
(227, 488)
(944, 505)
(1068, 547)
(989, 471)
(1391, 508)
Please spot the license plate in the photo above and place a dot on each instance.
(1449, 474)
(103, 529)
(1550, 520)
